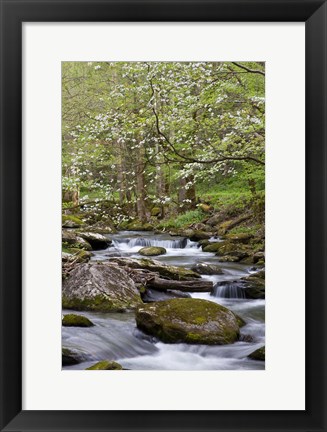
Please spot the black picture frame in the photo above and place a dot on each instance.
(13, 14)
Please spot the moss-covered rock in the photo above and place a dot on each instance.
(76, 255)
(156, 211)
(73, 320)
(99, 287)
(164, 270)
(258, 354)
(200, 235)
(239, 238)
(152, 251)
(207, 269)
(96, 240)
(106, 365)
(190, 320)
(254, 285)
(212, 247)
(229, 258)
(204, 243)
(72, 240)
(71, 221)
(68, 358)
(205, 208)
(258, 256)
(137, 225)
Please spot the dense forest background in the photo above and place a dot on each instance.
(163, 143)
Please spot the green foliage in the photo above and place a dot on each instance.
(183, 220)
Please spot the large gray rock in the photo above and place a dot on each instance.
(100, 287)
(193, 321)
(96, 240)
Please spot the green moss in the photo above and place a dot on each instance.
(72, 320)
(105, 365)
(71, 218)
(97, 303)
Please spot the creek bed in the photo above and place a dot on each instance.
(115, 336)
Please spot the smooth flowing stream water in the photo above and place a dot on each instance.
(115, 336)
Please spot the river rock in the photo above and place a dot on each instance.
(152, 251)
(239, 238)
(96, 240)
(164, 270)
(258, 354)
(207, 269)
(68, 358)
(106, 365)
(100, 287)
(71, 221)
(73, 320)
(254, 285)
(200, 235)
(71, 239)
(193, 321)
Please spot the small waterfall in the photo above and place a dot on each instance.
(228, 290)
(142, 242)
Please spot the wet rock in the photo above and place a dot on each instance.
(106, 365)
(96, 240)
(258, 256)
(152, 251)
(254, 285)
(76, 255)
(204, 243)
(164, 270)
(68, 358)
(100, 287)
(193, 321)
(258, 354)
(207, 269)
(73, 320)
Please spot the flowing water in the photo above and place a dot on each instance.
(115, 336)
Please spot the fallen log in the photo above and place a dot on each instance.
(184, 286)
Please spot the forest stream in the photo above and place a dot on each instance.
(116, 337)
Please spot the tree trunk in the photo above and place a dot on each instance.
(184, 286)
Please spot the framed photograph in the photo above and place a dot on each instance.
(163, 215)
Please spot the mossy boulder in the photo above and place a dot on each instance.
(212, 247)
(152, 251)
(68, 358)
(239, 238)
(258, 256)
(204, 243)
(206, 208)
(200, 235)
(207, 269)
(106, 365)
(71, 221)
(73, 320)
(258, 354)
(254, 285)
(156, 211)
(72, 240)
(96, 240)
(229, 258)
(100, 287)
(193, 321)
(137, 225)
(164, 270)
